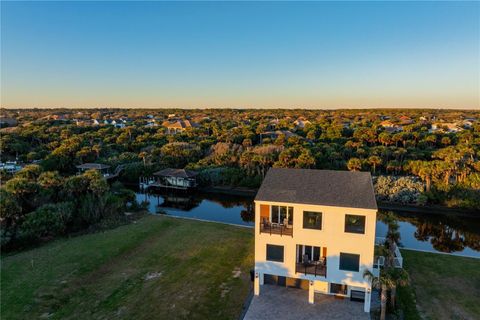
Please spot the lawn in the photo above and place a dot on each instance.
(446, 287)
(156, 268)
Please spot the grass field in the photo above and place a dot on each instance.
(156, 268)
(446, 287)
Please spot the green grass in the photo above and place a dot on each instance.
(446, 287)
(103, 275)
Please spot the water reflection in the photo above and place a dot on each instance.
(448, 234)
(205, 206)
(429, 232)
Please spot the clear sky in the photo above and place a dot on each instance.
(232, 54)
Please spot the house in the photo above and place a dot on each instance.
(275, 134)
(300, 123)
(151, 123)
(103, 168)
(10, 166)
(120, 123)
(176, 178)
(391, 127)
(7, 122)
(178, 126)
(406, 120)
(445, 127)
(316, 230)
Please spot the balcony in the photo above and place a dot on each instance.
(276, 228)
(316, 268)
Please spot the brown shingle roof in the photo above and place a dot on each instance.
(179, 173)
(97, 166)
(318, 187)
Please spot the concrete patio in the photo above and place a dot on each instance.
(278, 303)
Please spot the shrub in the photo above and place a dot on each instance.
(402, 189)
(47, 221)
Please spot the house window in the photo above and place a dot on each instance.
(274, 253)
(354, 223)
(337, 288)
(280, 213)
(349, 262)
(312, 220)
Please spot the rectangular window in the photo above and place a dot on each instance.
(337, 288)
(274, 253)
(282, 215)
(354, 223)
(349, 262)
(312, 220)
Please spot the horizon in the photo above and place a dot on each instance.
(232, 55)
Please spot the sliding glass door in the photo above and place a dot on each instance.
(280, 214)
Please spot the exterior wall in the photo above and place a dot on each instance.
(332, 237)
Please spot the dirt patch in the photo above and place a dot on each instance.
(152, 275)
(236, 272)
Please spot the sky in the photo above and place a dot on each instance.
(240, 54)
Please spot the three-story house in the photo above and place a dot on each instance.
(315, 229)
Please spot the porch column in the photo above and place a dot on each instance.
(311, 293)
(368, 298)
(256, 284)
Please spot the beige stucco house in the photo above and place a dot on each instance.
(316, 230)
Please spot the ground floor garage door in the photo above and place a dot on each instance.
(356, 295)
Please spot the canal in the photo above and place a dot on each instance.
(428, 232)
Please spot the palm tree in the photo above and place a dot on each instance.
(383, 282)
(400, 278)
(354, 164)
(374, 161)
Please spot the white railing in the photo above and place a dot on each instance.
(380, 241)
(397, 259)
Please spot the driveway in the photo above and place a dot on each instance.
(281, 303)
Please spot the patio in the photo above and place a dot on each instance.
(276, 302)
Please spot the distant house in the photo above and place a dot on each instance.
(406, 120)
(315, 230)
(8, 122)
(390, 126)
(10, 166)
(103, 168)
(178, 126)
(300, 123)
(119, 123)
(273, 125)
(445, 127)
(176, 178)
(275, 134)
(151, 123)
(467, 123)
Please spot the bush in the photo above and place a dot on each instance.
(47, 221)
(403, 189)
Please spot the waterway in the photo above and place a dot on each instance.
(419, 231)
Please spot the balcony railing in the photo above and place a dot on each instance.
(275, 228)
(315, 268)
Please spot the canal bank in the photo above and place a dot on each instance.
(424, 231)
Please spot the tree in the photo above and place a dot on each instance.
(354, 164)
(382, 282)
(374, 161)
